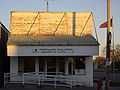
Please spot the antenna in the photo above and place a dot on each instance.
(46, 5)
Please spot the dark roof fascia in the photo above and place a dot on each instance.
(4, 28)
(22, 44)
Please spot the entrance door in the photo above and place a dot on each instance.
(26, 64)
(41, 64)
(70, 68)
(51, 65)
(61, 63)
(70, 65)
(29, 65)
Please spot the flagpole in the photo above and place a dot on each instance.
(108, 45)
(47, 5)
(113, 49)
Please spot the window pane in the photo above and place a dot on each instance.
(80, 63)
(26, 64)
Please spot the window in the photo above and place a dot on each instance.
(20, 64)
(26, 64)
(61, 62)
(80, 63)
(51, 64)
(41, 64)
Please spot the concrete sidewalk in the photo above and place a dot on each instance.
(34, 87)
(57, 88)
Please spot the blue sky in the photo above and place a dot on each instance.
(98, 7)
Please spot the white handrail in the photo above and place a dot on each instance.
(23, 79)
(41, 78)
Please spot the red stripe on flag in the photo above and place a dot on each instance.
(104, 25)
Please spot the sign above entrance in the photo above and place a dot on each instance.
(52, 50)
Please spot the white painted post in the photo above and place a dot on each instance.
(66, 66)
(37, 65)
(39, 78)
(37, 69)
(57, 67)
(13, 64)
(23, 80)
(45, 66)
(71, 80)
(55, 81)
(72, 68)
(72, 75)
(13, 67)
(89, 70)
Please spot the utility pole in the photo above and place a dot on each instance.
(108, 45)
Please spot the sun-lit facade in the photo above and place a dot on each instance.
(52, 23)
(52, 43)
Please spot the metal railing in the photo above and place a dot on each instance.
(41, 78)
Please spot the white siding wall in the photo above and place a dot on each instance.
(13, 66)
(89, 70)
